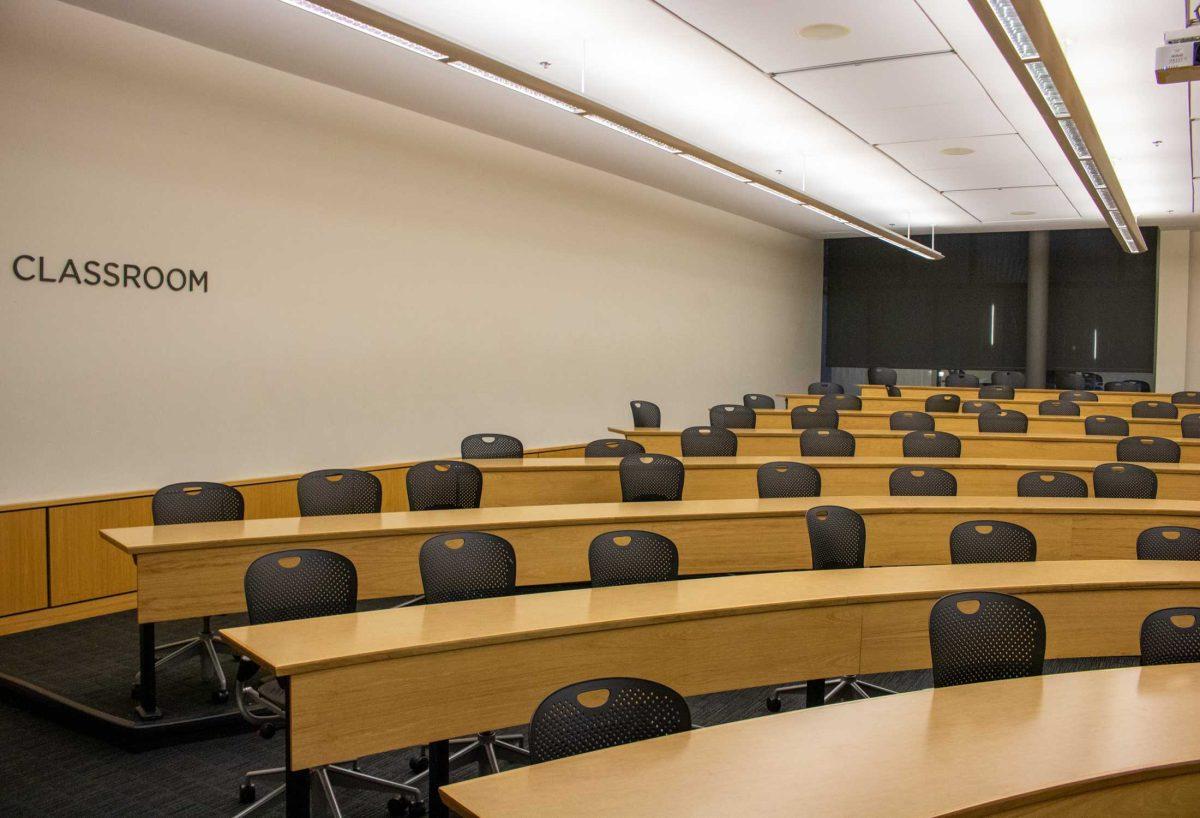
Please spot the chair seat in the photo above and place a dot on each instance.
(272, 691)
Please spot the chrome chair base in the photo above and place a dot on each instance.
(861, 690)
(485, 749)
(206, 644)
(324, 779)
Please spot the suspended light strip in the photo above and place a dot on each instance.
(920, 250)
(775, 192)
(706, 164)
(1071, 132)
(1045, 84)
(1106, 196)
(515, 86)
(1010, 21)
(1093, 173)
(641, 137)
(379, 34)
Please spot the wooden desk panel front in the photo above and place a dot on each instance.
(1022, 393)
(1029, 407)
(967, 423)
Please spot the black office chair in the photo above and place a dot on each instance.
(1078, 396)
(1124, 481)
(814, 417)
(1169, 542)
(1171, 636)
(881, 375)
(1105, 425)
(339, 491)
(1071, 380)
(825, 388)
(997, 391)
(650, 477)
(613, 447)
(991, 541)
(958, 379)
(632, 557)
(786, 478)
(1008, 377)
(438, 485)
(1187, 397)
(488, 446)
(944, 402)
(826, 443)
(732, 416)
(982, 636)
(1154, 409)
(1142, 386)
(757, 401)
(1058, 408)
(838, 402)
(921, 481)
(1006, 421)
(708, 441)
(646, 415)
(281, 587)
(978, 407)
(1190, 425)
(932, 444)
(892, 391)
(1138, 449)
(1051, 484)
(1122, 386)
(910, 422)
(1093, 381)
(592, 715)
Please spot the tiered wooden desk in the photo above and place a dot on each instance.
(1028, 407)
(972, 392)
(965, 422)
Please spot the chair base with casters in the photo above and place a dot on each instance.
(856, 685)
(484, 750)
(324, 779)
(206, 645)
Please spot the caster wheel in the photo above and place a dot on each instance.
(399, 806)
(135, 691)
(416, 808)
(267, 730)
(220, 696)
(419, 764)
(246, 793)
(774, 704)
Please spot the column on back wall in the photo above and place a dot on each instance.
(1191, 337)
(1175, 270)
(1037, 309)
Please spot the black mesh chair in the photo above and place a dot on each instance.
(997, 391)
(991, 541)
(1051, 484)
(910, 422)
(921, 481)
(1058, 408)
(962, 379)
(1008, 421)
(1124, 481)
(281, 587)
(944, 402)
(814, 417)
(1154, 409)
(881, 375)
(1169, 542)
(732, 416)
(1008, 377)
(1105, 425)
(613, 447)
(197, 503)
(488, 446)
(838, 538)
(892, 391)
(1190, 425)
(339, 491)
(1142, 386)
(438, 485)
(646, 415)
(1122, 386)
(708, 441)
(826, 443)
(1139, 449)
(978, 407)
(838, 402)
(1078, 396)
(1186, 397)
(587, 716)
(757, 401)
(786, 478)
(825, 388)
(1070, 380)
(650, 477)
(632, 557)
(932, 444)
(982, 636)
(1171, 636)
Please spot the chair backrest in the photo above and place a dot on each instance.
(1006, 420)
(1071, 380)
(592, 715)
(826, 443)
(991, 541)
(962, 379)
(649, 477)
(1008, 377)
(488, 445)
(978, 407)
(1124, 480)
(837, 402)
(997, 391)
(299, 583)
(910, 422)
(630, 557)
(825, 388)
(646, 415)
(757, 401)
(787, 478)
(1190, 425)
(612, 447)
(708, 441)
(837, 536)
(1154, 409)
(921, 481)
(982, 636)
(1138, 449)
(932, 444)
(1105, 425)
(893, 391)
(814, 417)
(1171, 636)
(732, 416)
(460, 565)
(1122, 386)
(1187, 396)
(339, 491)
(443, 484)
(882, 375)
(197, 503)
(1063, 408)
(1169, 542)
(1142, 386)
(943, 402)
(1051, 484)
(1078, 396)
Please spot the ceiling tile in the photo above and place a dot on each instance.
(992, 161)
(1015, 204)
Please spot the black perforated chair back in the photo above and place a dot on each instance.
(881, 375)
(1105, 425)
(1169, 542)
(991, 541)
(1124, 480)
(197, 503)
(1058, 408)
(631, 557)
(837, 537)
(732, 416)
(708, 441)
(300, 583)
(1154, 409)
(826, 443)
(910, 422)
(488, 446)
(1051, 484)
(1190, 425)
(786, 478)
(978, 407)
(814, 417)
(962, 379)
(460, 565)
(612, 447)
(437, 485)
(646, 415)
(981, 636)
(921, 481)
(1071, 380)
(1142, 386)
(1186, 397)
(932, 444)
(1122, 386)
(943, 402)
(1171, 636)
(997, 391)
(893, 391)
(649, 477)
(1078, 396)
(602, 713)
(825, 388)
(339, 491)
(1008, 421)
(1138, 449)
(837, 402)
(757, 401)
(1008, 377)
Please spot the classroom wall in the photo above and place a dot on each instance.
(1178, 341)
(379, 283)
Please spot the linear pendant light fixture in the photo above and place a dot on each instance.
(396, 32)
(1024, 36)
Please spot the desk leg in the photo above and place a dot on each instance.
(297, 783)
(147, 706)
(439, 776)
(814, 693)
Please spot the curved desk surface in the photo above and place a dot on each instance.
(1025, 393)
(854, 420)
(1101, 742)
(1029, 407)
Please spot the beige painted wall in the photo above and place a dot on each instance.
(1174, 277)
(381, 283)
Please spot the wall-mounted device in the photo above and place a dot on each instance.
(1179, 59)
